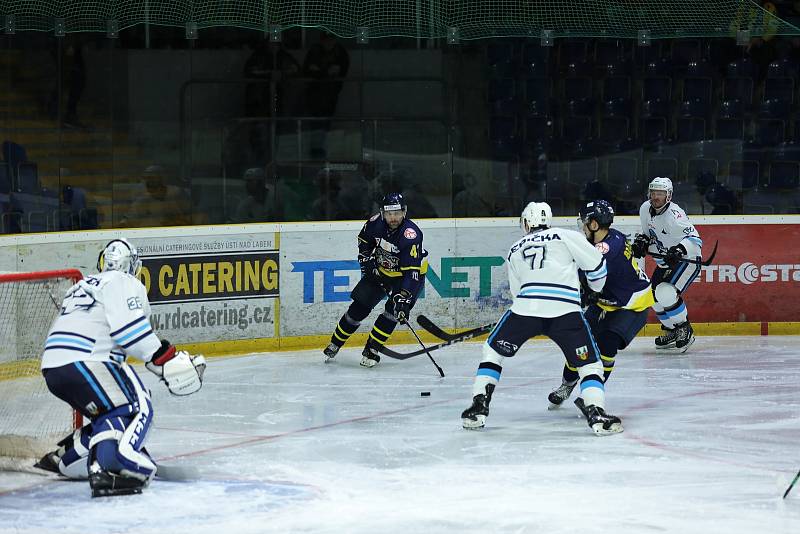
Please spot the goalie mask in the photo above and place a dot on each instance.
(119, 255)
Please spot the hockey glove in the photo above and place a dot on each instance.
(640, 245)
(181, 372)
(369, 268)
(401, 305)
(674, 255)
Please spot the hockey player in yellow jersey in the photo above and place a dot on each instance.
(618, 312)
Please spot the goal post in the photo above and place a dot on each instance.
(32, 420)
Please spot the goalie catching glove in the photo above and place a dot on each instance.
(179, 370)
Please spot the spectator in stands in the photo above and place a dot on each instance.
(469, 202)
(256, 206)
(261, 65)
(269, 62)
(328, 206)
(161, 204)
(81, 217)
(67, 53)
(326, 62)
(723, 201)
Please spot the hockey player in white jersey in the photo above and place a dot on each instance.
(667, 230)
(543, 279)
(103, 319)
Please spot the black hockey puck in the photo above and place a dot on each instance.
(424, 393)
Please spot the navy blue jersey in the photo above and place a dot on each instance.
(397, 252)
(627, 286)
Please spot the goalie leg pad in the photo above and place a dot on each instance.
(117, 445)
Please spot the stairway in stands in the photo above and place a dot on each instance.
(91, 158)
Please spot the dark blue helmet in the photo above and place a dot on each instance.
(393, 202)
(597, 210)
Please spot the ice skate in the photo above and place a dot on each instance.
(474, 417)
(560, 394)
(107, 484)
(668, 339)
(684, 336)
(370, 356)
(49, 462)
(330, 352)
(599, 421)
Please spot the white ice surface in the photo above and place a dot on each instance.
(284, 443)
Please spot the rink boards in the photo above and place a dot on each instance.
(279, 286)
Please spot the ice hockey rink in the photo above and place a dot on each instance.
(284, 443)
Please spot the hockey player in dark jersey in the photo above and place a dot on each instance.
(619, 311)
(393, 262)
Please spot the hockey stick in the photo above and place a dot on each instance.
(421, 344)
(705, 262)
(428, 325)
(785, 493)
(463, 336)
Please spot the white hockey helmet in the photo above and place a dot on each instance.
(534, 215)
(660, 183)
(119, 255)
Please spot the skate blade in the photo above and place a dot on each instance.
(553, 406)
(367, 362)
(601, 431)
(662, 347)
(328, 359)
(114, 492)
(686, 347)
(469, 424)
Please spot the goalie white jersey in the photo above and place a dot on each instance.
(543, 272)
(104, 317)
(671, 227)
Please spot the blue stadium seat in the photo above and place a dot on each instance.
(729, 128)
(5, 179)
(575, 128)
(655, 107)
(697, 166)
(743, 175)
(781, 68)
(731, 109)
(613, 130)
(537, 96)
(769, 132)
(502, 96)
(744, 68)
(738, 89)
(774, 108)
(503, 137)
(783, 175)
(500, 59)
(572, 51)
(660, 166)
(582, 171)
(622, 171)
(653, 130)
(616, 87)
(698, 89)
(690, 129)
(779, 89)
(535, 60)
(685, 51)
(538, 129)
(657, 87)
(28, 178)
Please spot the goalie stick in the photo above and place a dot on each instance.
(705, 262)
(455, 338)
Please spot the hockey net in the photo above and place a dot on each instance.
(32, 420)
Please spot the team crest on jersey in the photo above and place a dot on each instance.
(583, 353)
(410, 233)
(602, 246)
